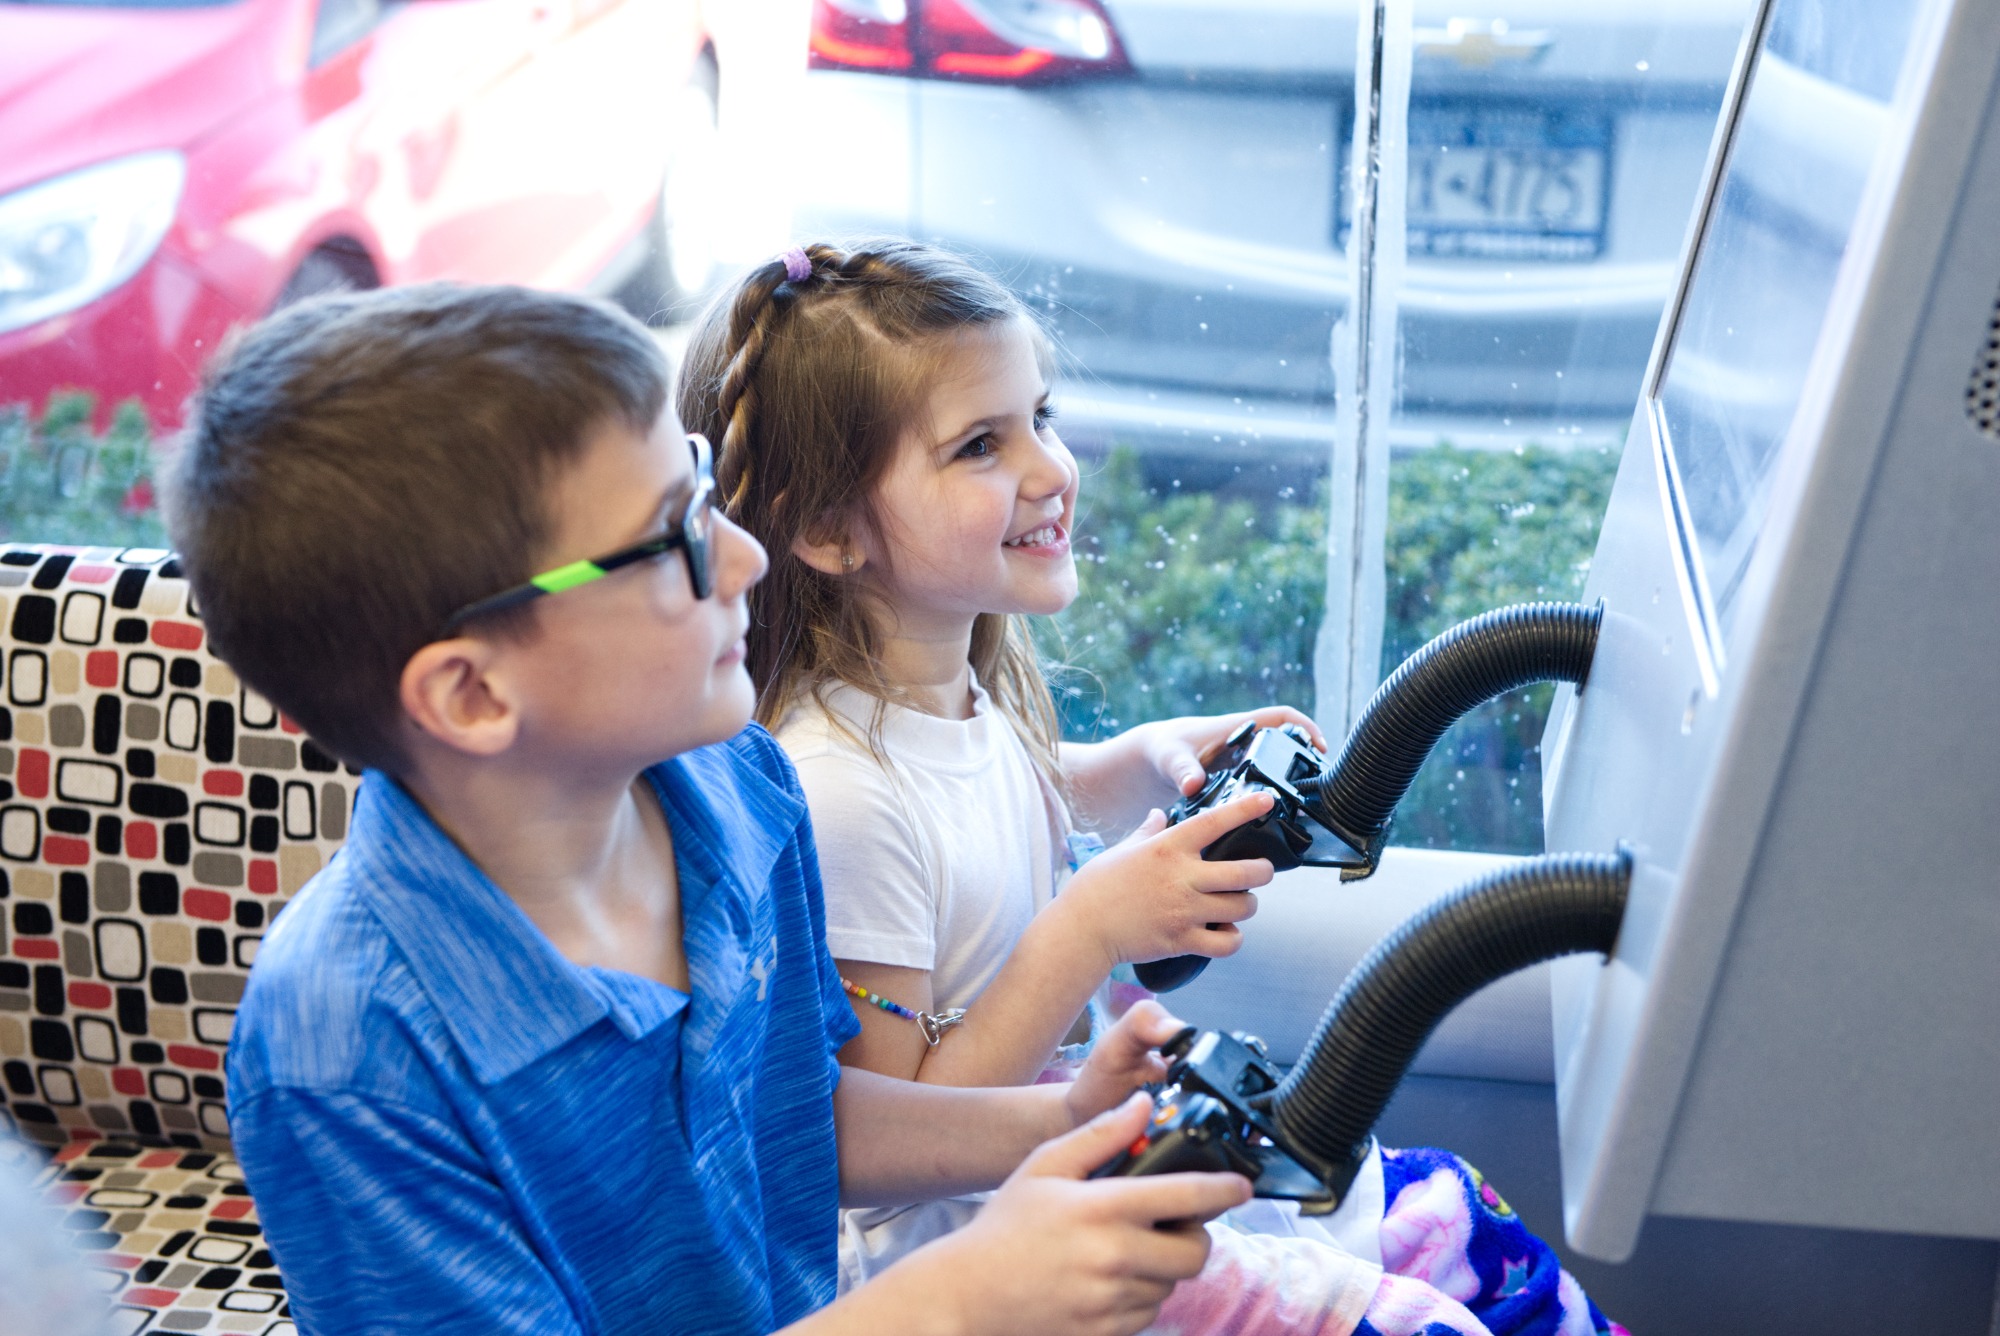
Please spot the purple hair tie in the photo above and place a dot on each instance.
(798, 266)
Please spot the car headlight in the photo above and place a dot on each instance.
(71, 240)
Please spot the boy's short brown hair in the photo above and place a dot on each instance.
(359, 467)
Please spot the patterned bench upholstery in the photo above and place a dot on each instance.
(155, 816)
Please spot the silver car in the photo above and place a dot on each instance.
(1169, 180)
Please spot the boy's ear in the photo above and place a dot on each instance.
(828, 556)
(450, 691)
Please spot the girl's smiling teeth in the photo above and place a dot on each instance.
(1049, 535)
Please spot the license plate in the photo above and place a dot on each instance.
(1506, 182)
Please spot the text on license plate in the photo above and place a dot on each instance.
(1507, 183)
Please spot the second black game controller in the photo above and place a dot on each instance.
(1208, 1119)
(1187, 1134)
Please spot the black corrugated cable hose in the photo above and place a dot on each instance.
(1433, 689)
(1523, 914)
(1455, 673)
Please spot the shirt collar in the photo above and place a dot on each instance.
(505, 993)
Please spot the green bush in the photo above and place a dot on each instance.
(1472, 530)
(1195, 604)
(62, 481)
(1190, 604)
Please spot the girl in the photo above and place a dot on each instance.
(884, 427)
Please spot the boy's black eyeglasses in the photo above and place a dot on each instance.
(691, 533)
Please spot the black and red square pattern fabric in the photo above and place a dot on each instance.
(155, 816)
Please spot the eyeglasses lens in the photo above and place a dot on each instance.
(697, 530)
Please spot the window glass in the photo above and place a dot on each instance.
(176, 168)
(1805, 139)
(1161, 182)
(1553, 157)
(1178, 197)
(1172, 184)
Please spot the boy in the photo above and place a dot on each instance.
(549, 1047)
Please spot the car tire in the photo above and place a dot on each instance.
(339, 265)
(680, 267)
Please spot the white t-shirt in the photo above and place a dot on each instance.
(935, 855)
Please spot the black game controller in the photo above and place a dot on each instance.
(1188, 1134)
(1207, 1119)
(1295, 832)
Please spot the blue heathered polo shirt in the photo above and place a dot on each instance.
(450, 1128)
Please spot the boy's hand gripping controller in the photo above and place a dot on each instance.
(1207, 1119)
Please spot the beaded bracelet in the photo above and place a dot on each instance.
(933, 1027)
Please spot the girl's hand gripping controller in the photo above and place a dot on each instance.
(1284, 763)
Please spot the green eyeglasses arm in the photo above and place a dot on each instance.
(567, 577)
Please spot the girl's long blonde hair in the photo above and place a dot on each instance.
(806, 387)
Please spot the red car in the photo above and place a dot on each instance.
(170, 168)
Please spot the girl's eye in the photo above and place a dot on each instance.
(1045, 417)
(979, 447)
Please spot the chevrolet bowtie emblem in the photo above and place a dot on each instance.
(1481, 43)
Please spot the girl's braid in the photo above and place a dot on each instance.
(860, 268)
(767, 295)
(750, 320)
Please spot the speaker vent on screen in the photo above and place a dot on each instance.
(1982, 394)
